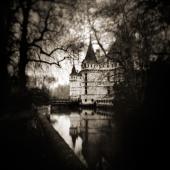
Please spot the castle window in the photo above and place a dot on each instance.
(85, 100)
(108, 90)
(108, 77)
(107, 65)
(85, 90)
(92, 100)
(85, 83)
(85, 76)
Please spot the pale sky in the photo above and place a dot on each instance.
(82, 30)
(62, 74)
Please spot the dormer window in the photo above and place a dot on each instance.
(108, 77)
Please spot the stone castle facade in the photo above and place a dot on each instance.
(94, 84)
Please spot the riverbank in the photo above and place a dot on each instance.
(28, 141)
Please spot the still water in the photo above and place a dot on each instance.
(89, 133)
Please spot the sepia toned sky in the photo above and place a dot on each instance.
(79, 28)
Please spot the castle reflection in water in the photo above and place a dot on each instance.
(89, 133)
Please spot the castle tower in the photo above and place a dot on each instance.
(75, 84)
(90, 55)
(89, 66)
(94, 83)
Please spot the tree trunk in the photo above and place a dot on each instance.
(5, 14)
(23, 49)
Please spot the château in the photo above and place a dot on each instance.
(94, 84)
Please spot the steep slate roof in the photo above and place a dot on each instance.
(90, 55)
(73, 72)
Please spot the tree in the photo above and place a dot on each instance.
(61, 92)
(40, 26)
(5, 15)
(139, 33)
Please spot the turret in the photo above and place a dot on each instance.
(90, 55)
(75, 84)
(73, 72)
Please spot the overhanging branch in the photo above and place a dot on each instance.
(46, 53)
(45, 62)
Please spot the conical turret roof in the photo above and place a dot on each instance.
(90, 55)
(73, 72)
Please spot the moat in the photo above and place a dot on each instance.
(89, 133)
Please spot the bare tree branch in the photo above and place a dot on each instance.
(45, 62)
(42, 51)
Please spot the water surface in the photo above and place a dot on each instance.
(89, 133)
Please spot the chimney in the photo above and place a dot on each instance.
(98, 54)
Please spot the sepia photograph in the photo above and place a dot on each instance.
(84, 84)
